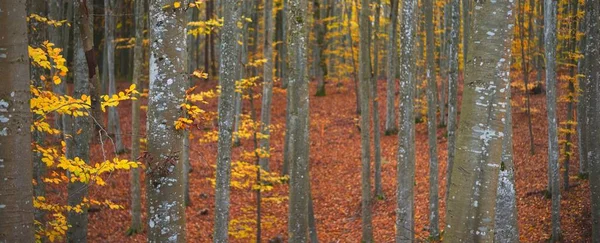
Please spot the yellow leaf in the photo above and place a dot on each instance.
(176, 5)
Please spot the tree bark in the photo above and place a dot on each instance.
(16, 192)
(391, 60)
(405, 177)
(168, 81)
(298, 121)
(375, 100)
(227, 76)
(472, 198)
(453, 66)
(265, 113)
(114, 124)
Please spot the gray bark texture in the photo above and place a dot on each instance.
(405, 178)
(135, 187)
(453, 64)
(16, 192)
(592, 50)
(391, 70)
(430, 74)
(550, 8)
(265, 113)
(168, 81)
(114, 125)
(229, 66)
(298, 121)
(506, 222)
(78, 145)
(37, 35)
(375, 100)
(472, 198)
(364, 76)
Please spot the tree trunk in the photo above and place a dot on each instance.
(138, 73)
(320, 30)
(78, 145)
(553, 148)
(38, 33)
(364, 74)
(114, 124)
(16, 192)
(168, 81)
(472, 198)
(227, 77)
(265, 113)
(375, 100)
(391, 70)
(582, 105)
(506, 221)
(298, 122)
(453, 66)
(592, 36)
(405, 177)
(431, 122)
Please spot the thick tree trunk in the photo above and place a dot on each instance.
(298, 122)
(405, 178)
(229, 66)
(265, 114)
(506, 221)
(16, 193)
(168, 81)
(472, 199)
(391, 70)
(592, 51)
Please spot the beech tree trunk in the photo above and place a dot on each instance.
(405, 177)
(298, 226)
(168, 81)
(114, 125)
(16, 192)
(135, 187)
(472, 200)
(453, 64)
(227, 76)
(391, 71)
(265, 113)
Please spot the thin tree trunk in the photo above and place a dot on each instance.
(168, 80)
(453, 66)
(135, 187)
(16, 192)
(582, 105)
(391, 71)
(525, 68)
(374, 89)
(405, 178)
(431, 122)
(472, 200)
(364, 74)
(320, 30)
(114, 125)
(265, 113)
(227, 76)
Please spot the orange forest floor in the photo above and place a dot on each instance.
(335, 177)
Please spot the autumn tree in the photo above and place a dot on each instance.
(227, 77)
(168, 80)
(472, 198)
(16, 192)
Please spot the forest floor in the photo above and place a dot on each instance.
(335, 177)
